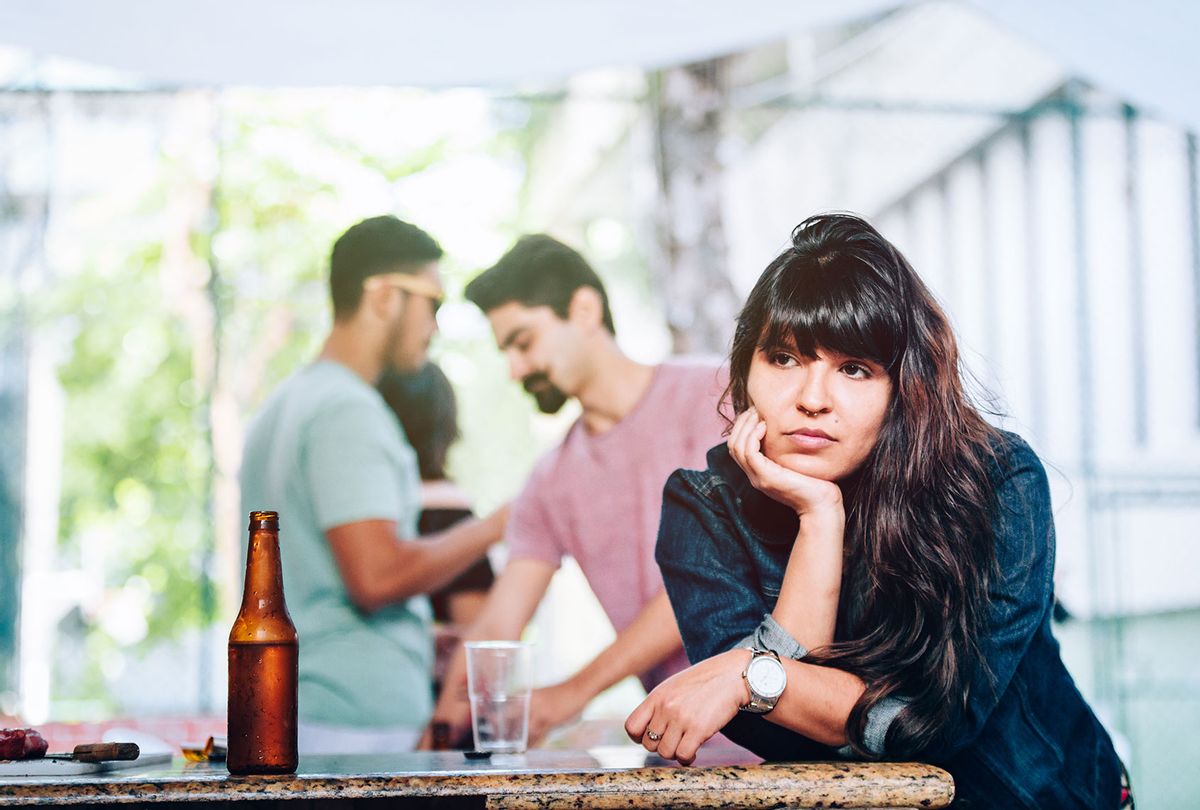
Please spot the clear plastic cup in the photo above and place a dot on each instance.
(499, 683)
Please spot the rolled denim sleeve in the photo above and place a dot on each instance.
(707, 581)
(879, 720)
(770, 635)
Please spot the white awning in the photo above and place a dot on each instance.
(1141, 50)
(1144, 51)
(428, 43)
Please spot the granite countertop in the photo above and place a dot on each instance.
(601, 779)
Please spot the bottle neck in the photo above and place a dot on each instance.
(264, 573)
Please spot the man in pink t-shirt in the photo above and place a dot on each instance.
(597, 496)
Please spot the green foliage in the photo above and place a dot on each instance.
(133, 445)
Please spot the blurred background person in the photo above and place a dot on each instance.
(425, 404)
(325, 452)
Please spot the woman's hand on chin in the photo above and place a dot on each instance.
(803, 493)
(687, 709)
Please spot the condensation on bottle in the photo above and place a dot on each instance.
(263, 663)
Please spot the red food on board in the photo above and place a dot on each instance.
(35, 744)
(12, 743)
(21, 743)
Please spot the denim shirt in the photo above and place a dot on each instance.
(1027, 738)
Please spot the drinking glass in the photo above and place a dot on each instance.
(499, 682)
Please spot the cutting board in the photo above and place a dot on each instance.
(67, 767)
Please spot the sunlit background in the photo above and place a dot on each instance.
(163, 249)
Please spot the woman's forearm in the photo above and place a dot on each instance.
(808, 600)
(817, 702)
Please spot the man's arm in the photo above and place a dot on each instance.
(509, 607)
(378, 569)
(650, 638)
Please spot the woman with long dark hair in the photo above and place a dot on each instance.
(427, 408)
(425, 404)
(866, 567)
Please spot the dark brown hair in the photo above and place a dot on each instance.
(381, 244)
(919, 543)
(424, 402)
(538, 271)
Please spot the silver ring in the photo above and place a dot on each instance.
(653, 737)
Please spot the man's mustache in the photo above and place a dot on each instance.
(536, 382)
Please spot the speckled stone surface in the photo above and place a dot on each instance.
(534, 780)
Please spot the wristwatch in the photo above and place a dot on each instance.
(766, 679)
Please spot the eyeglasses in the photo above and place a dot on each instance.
(415, 285)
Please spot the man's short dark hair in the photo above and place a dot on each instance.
(537, 271)
(377, 245)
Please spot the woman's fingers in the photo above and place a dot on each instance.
(754, 439)
(688, 747)
(741, 439)
(763, 471)
(638, 719)
(654, 734)
(669, 743)
(738, 425)
(647, 726)
(735, 435)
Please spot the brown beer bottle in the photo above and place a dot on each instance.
(263, 660)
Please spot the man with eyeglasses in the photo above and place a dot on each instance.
(327, 454)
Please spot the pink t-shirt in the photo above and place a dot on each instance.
(598, 498)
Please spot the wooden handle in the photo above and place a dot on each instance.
(106, 752)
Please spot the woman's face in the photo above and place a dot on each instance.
(823, 415)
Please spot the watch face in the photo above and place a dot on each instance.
(766, 676)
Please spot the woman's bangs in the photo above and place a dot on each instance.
(833, 311)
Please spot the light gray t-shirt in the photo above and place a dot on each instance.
(325, 451)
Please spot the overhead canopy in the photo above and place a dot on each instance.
(1141, 50)
(429, 43)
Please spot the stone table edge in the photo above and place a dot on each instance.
(905, 785)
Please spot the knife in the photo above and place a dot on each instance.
(100, 752)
